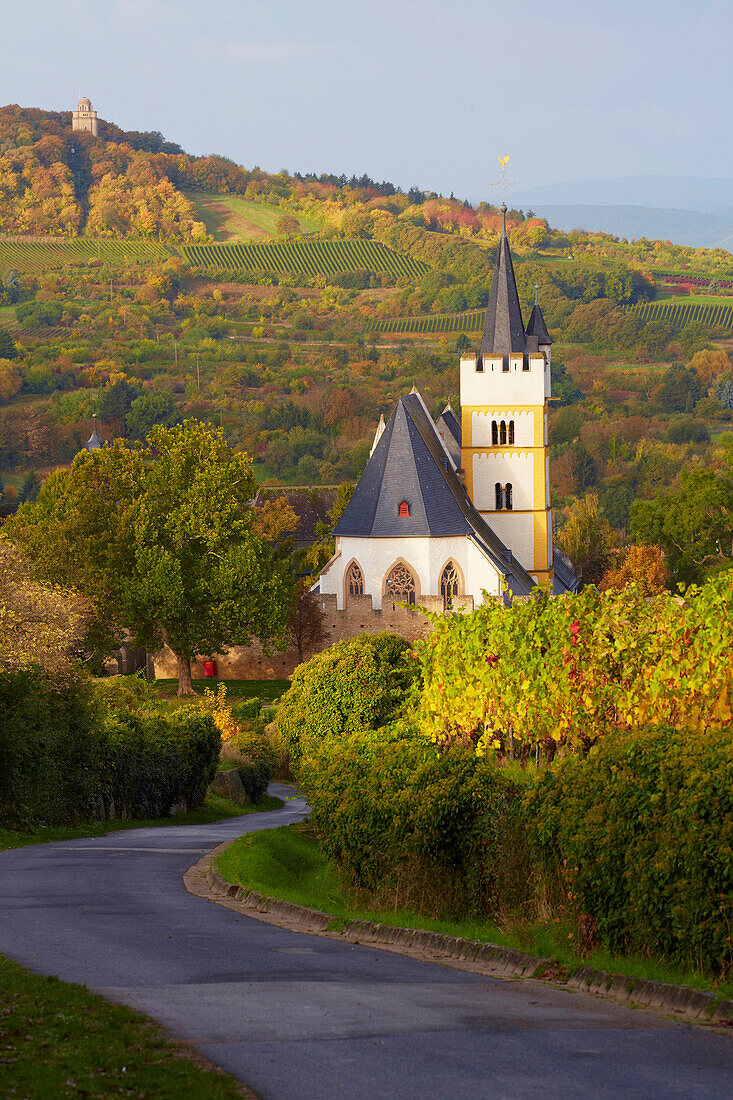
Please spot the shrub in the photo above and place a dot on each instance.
(48, 755)
(254, 758)
(644, 829)
(354, 685)
(247, 709)
(151, 762)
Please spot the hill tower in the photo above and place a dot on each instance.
(505, 389)
(85, 118)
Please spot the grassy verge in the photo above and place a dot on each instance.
(213, 809)
(287, 863)
(59, 1040)
(267, 690)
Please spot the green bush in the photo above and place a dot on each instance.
(48, 753)
(247, 709)
(152, 762)
(252, 755)
(354, 685)
(643, 829)
(399, 817)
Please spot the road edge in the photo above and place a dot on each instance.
(493, 960)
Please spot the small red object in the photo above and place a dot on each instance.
(209, 668)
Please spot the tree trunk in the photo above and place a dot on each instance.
(185, 687)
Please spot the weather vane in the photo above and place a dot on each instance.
(504, 182)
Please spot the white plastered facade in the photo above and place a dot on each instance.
(426, 558)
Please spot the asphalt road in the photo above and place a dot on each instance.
(299, 1016)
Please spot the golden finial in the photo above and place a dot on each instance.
(504, 182)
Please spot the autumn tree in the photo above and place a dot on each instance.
(161, 538)
(643, 566)
(287, 226)
(39, 624)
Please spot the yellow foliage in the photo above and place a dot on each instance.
(215, 703)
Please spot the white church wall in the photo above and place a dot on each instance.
(495, 386)
(516, 531)
(515, 468)
(481, 422)
(426, 557)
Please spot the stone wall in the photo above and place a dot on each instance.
(358, 617)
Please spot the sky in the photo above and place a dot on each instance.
(425, 94)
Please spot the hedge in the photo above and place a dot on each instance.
(65, 759)
(643, 827)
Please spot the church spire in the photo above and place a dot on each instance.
(504, 328)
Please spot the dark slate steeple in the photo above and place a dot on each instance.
(537, 326)
(504, 328)
(94, 443)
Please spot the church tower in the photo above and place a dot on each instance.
(505, 389)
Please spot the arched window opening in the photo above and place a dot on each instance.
(509, 497)
(400, 584)
(499, 497)
(502, 433)
(494, 434)
(355, 580)
(511, 433)
(450, 584)
(404, 509)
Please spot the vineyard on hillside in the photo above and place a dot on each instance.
(306, 257)
(33, 256)
(679, 313)
(470, 321)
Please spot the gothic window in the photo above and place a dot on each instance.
(511, 433)
(404, 509)
(499, 497)
(508, 494)
(400, 584)
(354, 580)
(450, 584)
(494, 434)
(502, 433)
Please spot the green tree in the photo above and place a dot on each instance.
(586, 538)
(161, 539)
(148, 410)
(8, 349)
(694, 525)
(116, 401)
(30, 487)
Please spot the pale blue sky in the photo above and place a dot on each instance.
(426, 93)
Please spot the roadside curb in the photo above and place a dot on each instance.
(694, 1005)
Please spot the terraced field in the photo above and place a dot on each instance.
(679, 313)
(305, 256)
(32, 256)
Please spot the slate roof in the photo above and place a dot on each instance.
(449, 431)
(410, 463)
(566, 579)
(311, 506)
(504, 328)
(94, 443)
(537, 326)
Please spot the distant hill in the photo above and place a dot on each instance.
(686, 210)
(688, 227)
(694, 193)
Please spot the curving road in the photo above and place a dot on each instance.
(299, 1016)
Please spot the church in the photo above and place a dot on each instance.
(447, 511)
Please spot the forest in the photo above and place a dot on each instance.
(139, 283)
